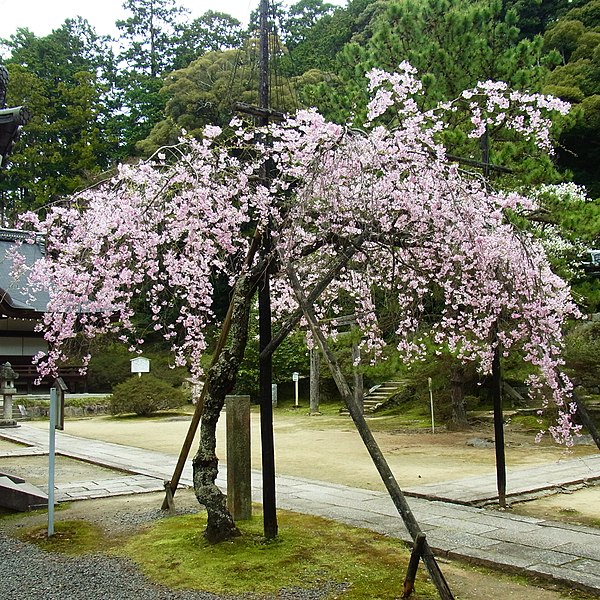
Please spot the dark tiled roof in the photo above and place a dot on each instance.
(15, 300)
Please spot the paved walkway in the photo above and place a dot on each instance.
(565, 553)
(520, 483)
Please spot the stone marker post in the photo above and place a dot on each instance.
(239, 485)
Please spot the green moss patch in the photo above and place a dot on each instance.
(70, 537)
(310, 552)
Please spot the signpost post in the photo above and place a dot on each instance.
(52, 459)
(295, 377)
(431, 404)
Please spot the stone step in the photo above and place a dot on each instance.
(377, 395)
(19, 412)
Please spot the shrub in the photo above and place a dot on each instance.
(582, 353)
(144, 395)
(110, 365)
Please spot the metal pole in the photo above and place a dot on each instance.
(431, 404)
(51, 460)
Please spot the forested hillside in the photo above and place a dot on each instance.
(97, 102)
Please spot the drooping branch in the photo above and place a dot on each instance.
(193, 427)
(342, 260)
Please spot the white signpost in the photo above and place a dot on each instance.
(140, 365)
(431, 403)
(295, 377)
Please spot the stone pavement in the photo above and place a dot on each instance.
(566, 553)
(520, 483)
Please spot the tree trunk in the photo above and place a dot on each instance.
(459, 411)
(586, 419)
(219, 382)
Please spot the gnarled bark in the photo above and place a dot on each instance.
(220, 381)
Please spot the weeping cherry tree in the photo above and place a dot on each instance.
(350, 214)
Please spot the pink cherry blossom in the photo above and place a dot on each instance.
(418, 231)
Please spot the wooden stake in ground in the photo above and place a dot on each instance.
(363, 429)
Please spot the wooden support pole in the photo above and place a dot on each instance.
(259, 111)
(499, 428)
(264, 308)
(413, 565)
(368, 439)
(169, 504)
(266, 414)
(315, 375)
(193, 428)
(341, 261)
(359, 391)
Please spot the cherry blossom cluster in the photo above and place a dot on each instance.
(403, 225)
(490, 104)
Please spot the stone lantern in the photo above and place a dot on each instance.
(8, 389)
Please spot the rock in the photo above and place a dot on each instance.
(583, 440)
(480, 443)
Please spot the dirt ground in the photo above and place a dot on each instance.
(328, 448)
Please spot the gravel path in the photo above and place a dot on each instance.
(29, 573)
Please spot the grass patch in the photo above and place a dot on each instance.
(16, 515)
(309, 553)
(70, 537)
(410, 416)
(529, 422)
(325, 408)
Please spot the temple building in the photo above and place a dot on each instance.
(20, 312)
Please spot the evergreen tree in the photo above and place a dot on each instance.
(149, 52)
(453, 45)
(148, 34)
(535, 16)
(316, 46)
(63, 79)
(211, 32)
(205, 91)
(576, 39)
